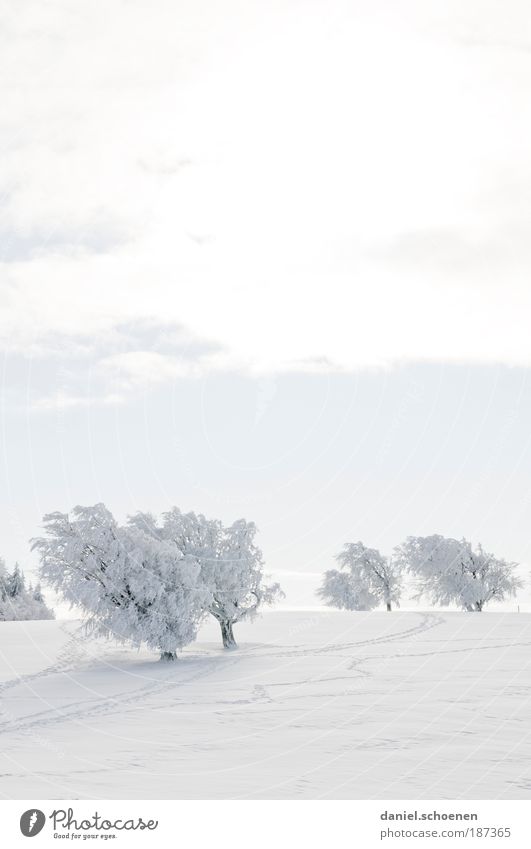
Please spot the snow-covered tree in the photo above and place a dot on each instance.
(129, 584)
(340, 589)
(450, 571)
(230, 561)
(364, 580)
(37, 594)
(236, 579)
(3, 580)
(17, 602)
(15, 583)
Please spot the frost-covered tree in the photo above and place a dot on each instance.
(15, 583)
(364, 580)
(18, 602)
(3, 581)
(340, 589)
(450, 571)
(231, 563)
(128, 584)
(37, 594)
(236, 579)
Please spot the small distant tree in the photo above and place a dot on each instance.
(450, 571)
(37, 594)
(128, 584)
(3, 580)
(365, 580)
(231, 564)
(15, 583)
(340, 589)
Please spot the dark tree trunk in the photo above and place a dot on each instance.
(168, 655)
(227, 635)
(388, 605)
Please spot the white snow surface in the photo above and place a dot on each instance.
(312, 705)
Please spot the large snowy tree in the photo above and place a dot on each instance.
(364, 580)
(18, 602)
(128, 584)
(232, 566)
(450, 571)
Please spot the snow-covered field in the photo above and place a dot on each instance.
(312, 705)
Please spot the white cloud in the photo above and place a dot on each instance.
(145, 368)
(59, 401)
(324, 185)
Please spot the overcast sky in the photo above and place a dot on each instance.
(268, 259)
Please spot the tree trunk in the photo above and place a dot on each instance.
(479, 606)
(168, 655)
(227, 635)
(388, 605)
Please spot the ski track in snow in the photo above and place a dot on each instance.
(68, 659)
(69, 656)
(220, 709)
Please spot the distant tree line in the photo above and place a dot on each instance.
(444, 570)
(18, 601)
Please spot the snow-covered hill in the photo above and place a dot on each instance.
(312, 705)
